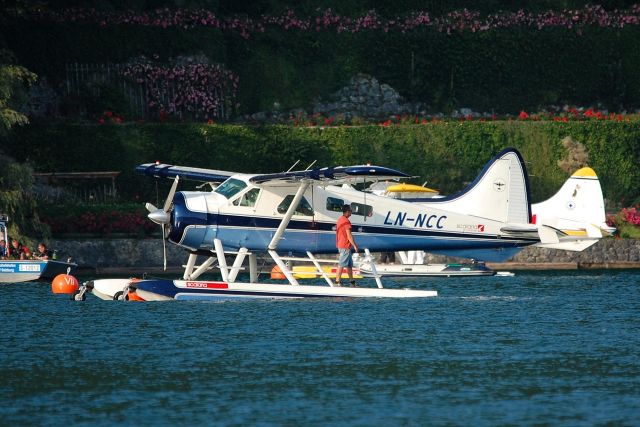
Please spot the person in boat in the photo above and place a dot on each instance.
(18, 251)
(345, 244)
(42, 253)
(3, 249)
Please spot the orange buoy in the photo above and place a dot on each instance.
(64, 284)
(132, 296)
(276, 273)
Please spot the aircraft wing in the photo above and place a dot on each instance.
(184, 172)
(331, 175)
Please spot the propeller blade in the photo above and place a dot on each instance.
(150, 207)
(172, 192)
(164, 249)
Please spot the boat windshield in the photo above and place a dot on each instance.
(231, 187)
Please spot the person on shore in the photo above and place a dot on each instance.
(42, 253)
(345, 243)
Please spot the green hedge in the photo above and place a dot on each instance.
(446, 154)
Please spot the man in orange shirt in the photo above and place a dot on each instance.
(344, 243)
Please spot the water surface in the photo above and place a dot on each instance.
(543, 348)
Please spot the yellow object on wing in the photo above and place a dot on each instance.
(409, 188)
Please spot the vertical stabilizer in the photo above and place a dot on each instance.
(500, 192)
(577, 209)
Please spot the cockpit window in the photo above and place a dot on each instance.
(230, 187)
(304, 208)
(248, 199)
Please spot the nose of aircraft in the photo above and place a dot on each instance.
(160, 217)
(186, 223)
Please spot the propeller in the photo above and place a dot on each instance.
(162, 217)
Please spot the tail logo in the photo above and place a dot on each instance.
(499, 184)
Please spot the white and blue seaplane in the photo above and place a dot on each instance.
(295, 213)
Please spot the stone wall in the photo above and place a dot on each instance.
(128, 254)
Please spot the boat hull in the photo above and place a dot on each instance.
(435, 270)
(29, 270)
(162, 290)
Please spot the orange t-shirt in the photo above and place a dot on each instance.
(342, 242)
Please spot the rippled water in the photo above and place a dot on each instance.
(552, 348)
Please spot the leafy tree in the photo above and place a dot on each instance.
(17, 197)
(14, 80)
(17, 200)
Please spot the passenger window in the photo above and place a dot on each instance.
(304, 208)
(248, 199)
(334, 205)
(362, 210)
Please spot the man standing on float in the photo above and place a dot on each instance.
(345, 243)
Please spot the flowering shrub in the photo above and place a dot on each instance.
(627, 221)
(109, 117)
(571, 114)
(199, 90)
(102, 223)
(327, 20)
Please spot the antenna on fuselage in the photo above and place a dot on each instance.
(312, 163)
(293, 165)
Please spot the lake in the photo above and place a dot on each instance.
(543, 348)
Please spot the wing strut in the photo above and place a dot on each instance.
(273, 245)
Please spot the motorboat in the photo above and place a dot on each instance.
(443, 270)
(16, 271)
(412, 264)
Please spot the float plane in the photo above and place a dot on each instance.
(295, 213)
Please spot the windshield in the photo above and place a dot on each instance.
(230, 187)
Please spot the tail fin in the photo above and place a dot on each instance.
(500, 192)
(577, 209)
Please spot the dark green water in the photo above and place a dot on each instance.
(551, 348)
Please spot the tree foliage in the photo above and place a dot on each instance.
(14, 80)
(16, 180)
(17, 200)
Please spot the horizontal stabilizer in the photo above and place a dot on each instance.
(593, 231)
(516, 229)
(548, 235)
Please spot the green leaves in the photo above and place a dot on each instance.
(14, 80)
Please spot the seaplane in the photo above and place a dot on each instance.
(294, 213)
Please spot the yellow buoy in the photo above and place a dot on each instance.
(64, 284)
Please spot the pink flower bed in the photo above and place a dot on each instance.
(199, 91)
(327, 20)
